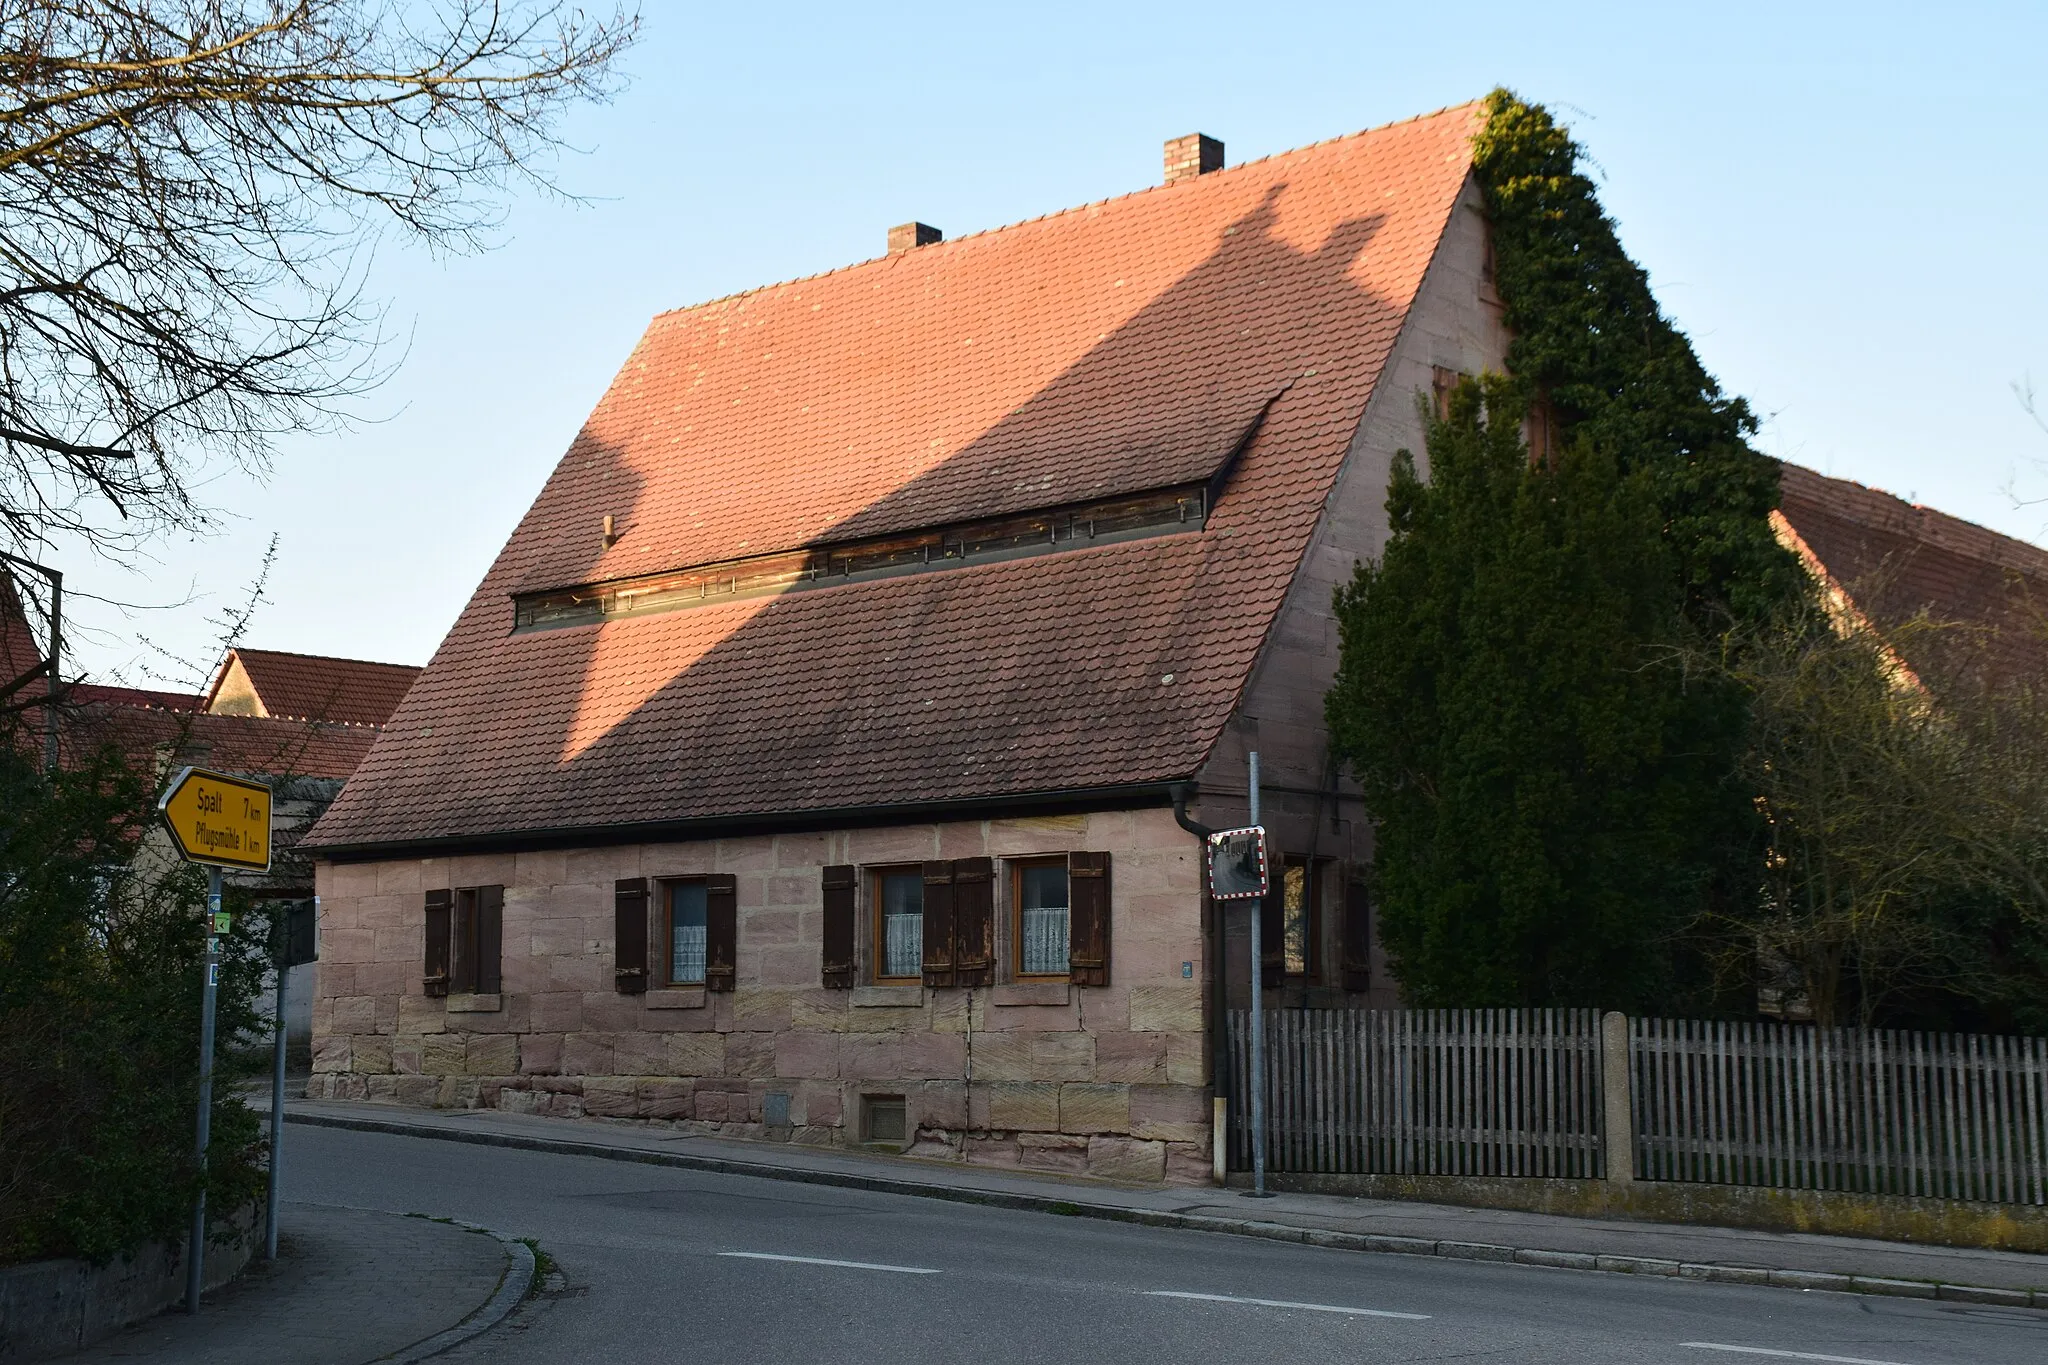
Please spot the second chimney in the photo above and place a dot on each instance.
(904, 236)
(1190, 156)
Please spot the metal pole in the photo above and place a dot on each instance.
(276, 1103)
(195, 1247)
(1258, 1020)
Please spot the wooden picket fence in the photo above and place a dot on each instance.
(1424, 1092)
(1523, 1093)
(1790, 1106)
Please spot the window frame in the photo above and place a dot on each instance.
(878, 954)
(661, 943)
(1015, 918)
(1312, 929)
(466, 958)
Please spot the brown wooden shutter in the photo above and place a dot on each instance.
(1088, 918)
(462, 943)
(490, 939)
(1273, 927)
(938, 924)
(629, 935)
(1357, 936)
(436, 976)
(974, 922)
(721, 932)
(840, 881)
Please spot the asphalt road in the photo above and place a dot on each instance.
(662, 1265)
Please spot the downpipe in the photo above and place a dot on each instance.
(1219, 1048)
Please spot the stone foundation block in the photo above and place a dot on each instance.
(640, 1054)
(1063, 1057)
(587, 1054)
(990, 1149)
(459, 1092)
(695, 1054)
(1189, 1164)
(807, 1056)
(443, 1054)
(369, 1053)
(1169, 1113)
(354, 1014)
(493, 1054)
(750, 1054)
(1094, 1108)
(667, 1099)
(421, 1014)
(615, 1097)
(1166, 1009)
(1002, 1056)
(940, 1104)
(1020, 1105)
(1131, 1159)
(1187, 1061)
(1053, 1152)
(331, 1054)
(1130, 1058)
(540, 1054)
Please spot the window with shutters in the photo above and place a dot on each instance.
(899, 924)
(464, 933)
(684, 930)
(1039, 921)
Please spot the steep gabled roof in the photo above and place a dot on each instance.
(1224, 332)
(271, 682)
(1897, 559)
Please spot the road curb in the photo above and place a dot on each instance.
(1159, 1218)
(513, 1286)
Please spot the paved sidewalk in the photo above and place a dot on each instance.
(1792, 1259)
(349, 1286)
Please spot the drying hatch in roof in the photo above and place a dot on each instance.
(1160, 512)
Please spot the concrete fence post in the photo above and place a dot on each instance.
(1618, 1115)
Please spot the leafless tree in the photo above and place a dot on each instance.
(188, 189)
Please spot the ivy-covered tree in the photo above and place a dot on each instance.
(1553, 791)
(1557, 795)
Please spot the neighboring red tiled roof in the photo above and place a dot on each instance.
(238, 744)
(1116, 346)
(1897, 559)
(80, 694)
(316, 687)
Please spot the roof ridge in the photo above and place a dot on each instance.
(739, 294)
(329, 658)
(1941, 527)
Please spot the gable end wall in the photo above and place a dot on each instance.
(1455, 324)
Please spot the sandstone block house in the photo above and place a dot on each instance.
(806, 765)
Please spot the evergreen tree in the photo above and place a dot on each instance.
(1558, 801)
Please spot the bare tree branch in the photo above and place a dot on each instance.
(187, 191)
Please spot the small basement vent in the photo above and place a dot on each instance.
(775, 1109)
(885, 1118)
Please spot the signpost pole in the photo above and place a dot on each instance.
(195, 1250)
(276, 1093)
(1258, 1019)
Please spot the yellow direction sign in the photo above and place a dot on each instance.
(218, 819)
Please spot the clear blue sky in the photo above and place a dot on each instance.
(1842, 204)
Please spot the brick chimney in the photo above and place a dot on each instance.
(1190, 156)
(904, 236)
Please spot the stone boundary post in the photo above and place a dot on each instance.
(1619, 1116)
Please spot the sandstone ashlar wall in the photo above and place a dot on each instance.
(1104, 1080)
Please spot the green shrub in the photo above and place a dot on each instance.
(102, 945)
